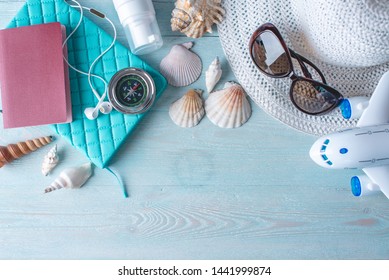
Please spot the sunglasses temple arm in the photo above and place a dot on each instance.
(301, 60)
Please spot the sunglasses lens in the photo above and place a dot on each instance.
(314, 98)
(269, 54)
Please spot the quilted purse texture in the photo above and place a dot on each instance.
(98, 139)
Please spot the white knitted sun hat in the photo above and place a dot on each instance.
(347, 40)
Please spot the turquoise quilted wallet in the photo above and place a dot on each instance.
(101, 138)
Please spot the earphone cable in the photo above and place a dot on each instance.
(89, 74)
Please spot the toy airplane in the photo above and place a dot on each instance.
(365, 147)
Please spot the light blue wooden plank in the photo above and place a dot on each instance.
(8, 9)
(201, 193)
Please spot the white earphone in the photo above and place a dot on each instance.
(102, 106)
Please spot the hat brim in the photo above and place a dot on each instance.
(272, 95)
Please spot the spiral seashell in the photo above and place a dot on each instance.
(188, 110)
(50, 161)
(213, 74)
(229, 107)
(71, 178)
(15, 151)
(181, 67)
(195, 17)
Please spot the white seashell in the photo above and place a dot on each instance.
(181, 67)
(50, 161)
(188, 110)
(195, 17)
(213, 74)
(71, 178)
(229, 107)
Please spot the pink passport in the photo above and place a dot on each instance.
(34, 78)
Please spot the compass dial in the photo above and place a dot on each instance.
(131, 91)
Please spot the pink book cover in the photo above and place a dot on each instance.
(34, 79)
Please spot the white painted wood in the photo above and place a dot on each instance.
(200, 193)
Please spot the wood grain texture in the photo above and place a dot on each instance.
(199, 193)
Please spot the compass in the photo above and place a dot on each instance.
(131, 91)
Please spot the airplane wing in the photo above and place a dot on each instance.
(377, 112)
(379, 175)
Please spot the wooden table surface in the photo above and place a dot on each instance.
(199, 193)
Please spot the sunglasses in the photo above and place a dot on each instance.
(273, 58)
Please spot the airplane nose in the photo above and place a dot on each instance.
(315, 153)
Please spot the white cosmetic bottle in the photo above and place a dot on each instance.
(140, 25)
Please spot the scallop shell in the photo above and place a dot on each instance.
(195, 17)
(213, 74)
(50, 161)
(15, 151)
(188, 110)
(229, 107)
(71, 178)
(181, 67)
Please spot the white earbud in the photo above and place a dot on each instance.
(93, 112)
(105, 107)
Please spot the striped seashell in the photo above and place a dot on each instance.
(188, 110)
(229, 107)
(15, 151)
(181, 67)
